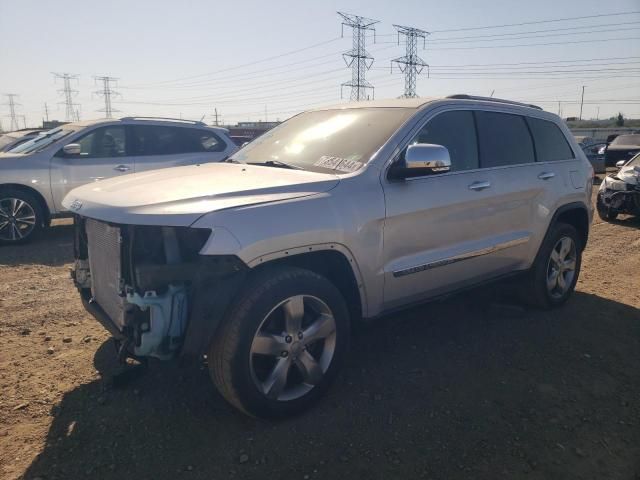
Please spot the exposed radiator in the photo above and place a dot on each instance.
(104, 261)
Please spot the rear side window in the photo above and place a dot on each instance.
(504, 139)
(160, 140)
(456, 131)
(155, 140)
(196, 140)
(550, 142)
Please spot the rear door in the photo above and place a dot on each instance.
(103, 154)
(160, 146)
(519, 186)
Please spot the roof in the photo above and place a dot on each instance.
(418, 102)
(385, 103)
(143, 120)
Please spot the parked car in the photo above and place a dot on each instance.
(595, 154)
(37, 174)
(13, 139)
(623, 147)
(620, 192)
(584, 141)
(263, 261)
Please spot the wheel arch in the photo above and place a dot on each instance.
(576, 215)
(32, 191)
(332, 261)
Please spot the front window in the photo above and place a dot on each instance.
(42, 141)
(326, 141)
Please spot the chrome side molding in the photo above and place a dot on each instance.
(463, 256)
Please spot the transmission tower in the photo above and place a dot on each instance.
(106, 92)
(410, 64)
(11, 103)
(71, 112)
(358, 58)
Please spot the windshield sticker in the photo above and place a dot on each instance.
(336, 163)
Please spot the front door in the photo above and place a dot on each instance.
(441, 231)
(103, 154)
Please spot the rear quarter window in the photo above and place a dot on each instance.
(550, 142)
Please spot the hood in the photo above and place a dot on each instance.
(630, 175)
(179, 196)
(617, 147)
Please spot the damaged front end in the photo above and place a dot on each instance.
(150, 288)
(620, 193)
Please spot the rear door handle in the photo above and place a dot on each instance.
(479, 186)
(122, 168)
(546, 175)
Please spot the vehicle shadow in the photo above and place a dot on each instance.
(52, 247)
(627, 221)
(468, 387)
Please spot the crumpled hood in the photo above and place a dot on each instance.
(630, 175)
(179, 196)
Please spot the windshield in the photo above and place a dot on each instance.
(5, 140)
(41, 141)
(634, 162)
(327, 141)
(626, 140)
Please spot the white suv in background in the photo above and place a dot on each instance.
(36, 175)
(261, 262)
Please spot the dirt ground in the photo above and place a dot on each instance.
(471, 387)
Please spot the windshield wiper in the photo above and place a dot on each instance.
(276, 163)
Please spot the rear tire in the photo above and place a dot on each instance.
(281, 343)
(21, 216)
(554, 274)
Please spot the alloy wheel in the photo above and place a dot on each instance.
(293, 348)
(561, 268)
(17, 219)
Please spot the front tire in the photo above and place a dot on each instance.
(554, 274)
(21, 216)
(604, 212)
(281, 343)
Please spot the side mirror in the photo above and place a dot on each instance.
(422, 159)
(620, 163)
(72, 149)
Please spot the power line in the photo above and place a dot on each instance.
(537, 44)
(358, 58)
(106, 93)
(548, 30)
(410, 64)
(267, 59)
(11, 103)
(72, 112)
(521, 36)
(537, 22)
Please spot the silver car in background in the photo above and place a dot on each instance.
(36, 175)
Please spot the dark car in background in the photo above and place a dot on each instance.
(595, 154)
(623, 147)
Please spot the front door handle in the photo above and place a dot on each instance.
(122, 168)
(546, 175)
(479, 186)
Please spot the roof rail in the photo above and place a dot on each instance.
(462, 96)
(167, 119)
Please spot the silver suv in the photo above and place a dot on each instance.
(37, 174)
(261, 263)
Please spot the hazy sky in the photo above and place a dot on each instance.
(185, 58)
